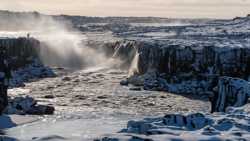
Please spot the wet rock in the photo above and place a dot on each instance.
(41, 110)
(3, 98)
(102, 97)
(135, 89)
(66, 78)
(81, 97)
(50, 96)
(124, 82)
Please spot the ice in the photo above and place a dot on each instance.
(82, 127)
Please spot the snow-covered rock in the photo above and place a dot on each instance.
(231, 92)
(183, 66)
(149, 126)
(233, 125)
(33, 70)
(27, 105)
(22, 55)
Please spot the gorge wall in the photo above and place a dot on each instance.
(182, 67)
(19, 51)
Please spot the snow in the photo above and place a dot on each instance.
(84, 126)
(31, 71)
(160, 24)
(233, 125)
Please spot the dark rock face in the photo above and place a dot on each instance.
(196, 67)
(19, 51)
(19, 61)
(197, 58)
(14, 53)
(231, 92)
(175, 58)
(3, 97)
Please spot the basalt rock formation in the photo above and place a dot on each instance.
(231, 125)
(19, 61)
(19, 52)
(183, 67)
(231, 92)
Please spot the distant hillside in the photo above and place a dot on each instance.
(15, 20)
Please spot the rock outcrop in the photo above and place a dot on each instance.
(19, 52)
(189, 122)
(27, 105)
(232, 125)
(184, 67)
(231, 92)
(176, 57)
(3, 97)
(19, 62)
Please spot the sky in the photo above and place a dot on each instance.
(157, 8)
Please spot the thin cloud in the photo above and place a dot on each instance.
(163, 8)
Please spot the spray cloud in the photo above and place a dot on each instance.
(61, 45)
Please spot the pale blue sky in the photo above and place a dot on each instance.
(159, 8)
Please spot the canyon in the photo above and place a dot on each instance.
(181, 77)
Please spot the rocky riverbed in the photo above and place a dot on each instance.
(96, 94)
(100, 89)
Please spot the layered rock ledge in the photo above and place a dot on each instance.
(20, 62)
(184, 67)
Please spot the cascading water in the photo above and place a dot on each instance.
(133, 70)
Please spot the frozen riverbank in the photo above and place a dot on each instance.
(93, 103)
(81, 126)
(230, 126)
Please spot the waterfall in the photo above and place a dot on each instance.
(133, 70)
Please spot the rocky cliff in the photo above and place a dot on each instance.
(19, 62)
(19, 51)
(184, 67)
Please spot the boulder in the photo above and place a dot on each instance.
(41, 110)
(124, 82)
